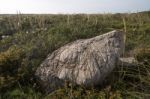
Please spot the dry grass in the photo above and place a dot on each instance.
(38, 35)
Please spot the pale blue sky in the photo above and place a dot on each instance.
(73, 6)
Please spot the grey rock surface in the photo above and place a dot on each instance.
(129, 61)
(83, 62)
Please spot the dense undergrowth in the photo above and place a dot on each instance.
(26, 40)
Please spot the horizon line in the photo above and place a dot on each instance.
(104, 12)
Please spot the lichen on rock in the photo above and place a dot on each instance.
(83, 62)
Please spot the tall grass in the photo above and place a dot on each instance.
(33, 37)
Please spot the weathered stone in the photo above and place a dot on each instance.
(83, 62)
(129, 61)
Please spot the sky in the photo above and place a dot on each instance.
(72, 6)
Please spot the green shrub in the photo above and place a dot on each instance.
(11, 68)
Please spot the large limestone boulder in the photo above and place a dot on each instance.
(83, 62)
